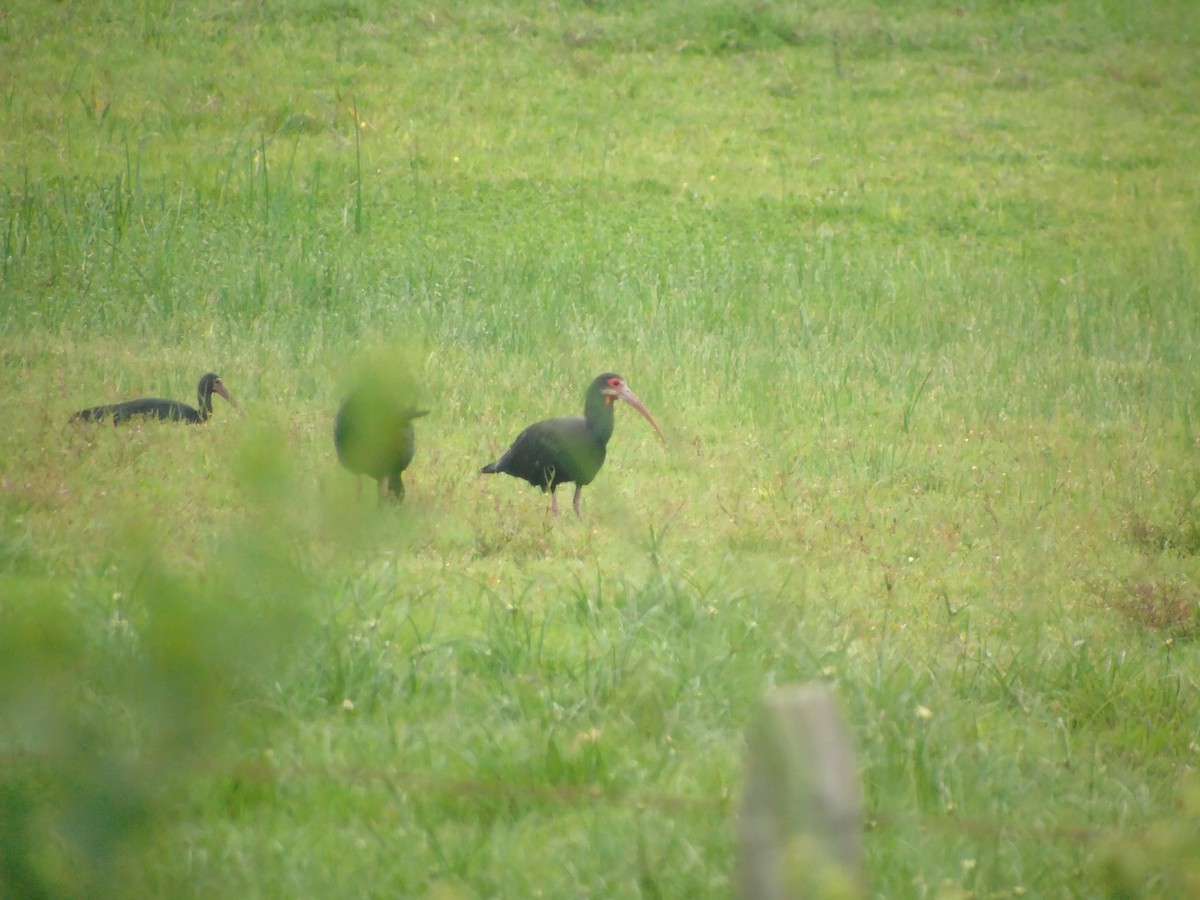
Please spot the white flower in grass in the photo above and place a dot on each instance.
(924, 713)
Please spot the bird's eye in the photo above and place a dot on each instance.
(614, 382)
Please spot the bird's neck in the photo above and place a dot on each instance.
(598, 410)
(205, 405)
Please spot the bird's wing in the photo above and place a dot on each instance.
(551, 445)
(155, 407)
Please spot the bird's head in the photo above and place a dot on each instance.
(212, 384)
(612, 387)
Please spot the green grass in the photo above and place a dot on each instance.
(910, 288)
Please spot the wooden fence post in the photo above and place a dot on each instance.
(801, 818)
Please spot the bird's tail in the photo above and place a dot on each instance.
(489, 469)
(95, 414)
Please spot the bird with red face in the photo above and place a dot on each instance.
(571, 448)
(158, 408)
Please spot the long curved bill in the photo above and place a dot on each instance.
(219, 388)
(631, 398)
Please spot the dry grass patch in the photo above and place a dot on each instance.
(1165, 605)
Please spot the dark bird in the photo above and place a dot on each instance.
(157, 408)
(374, 436)
(572, 448)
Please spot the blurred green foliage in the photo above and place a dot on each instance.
(103, 721)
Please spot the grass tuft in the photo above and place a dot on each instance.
(1166, 606)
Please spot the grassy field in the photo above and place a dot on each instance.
(911, 288)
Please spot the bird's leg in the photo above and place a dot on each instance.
(396, 487)
(575, 502)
